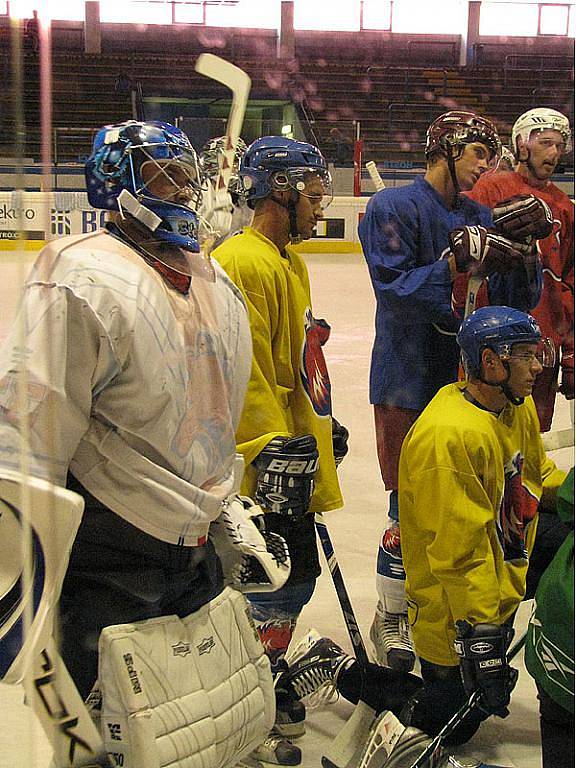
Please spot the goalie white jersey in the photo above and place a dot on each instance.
(151, 431)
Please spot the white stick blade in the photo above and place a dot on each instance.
(239, 83)
(375, 176)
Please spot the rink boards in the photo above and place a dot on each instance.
(36, 217)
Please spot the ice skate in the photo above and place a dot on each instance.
(274, 750)
(313, 669)
(392, 745)
(290, 715)
(390, 636)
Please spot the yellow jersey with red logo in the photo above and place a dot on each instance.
(470, 482)
(289, 389)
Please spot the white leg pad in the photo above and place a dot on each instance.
(186, 693)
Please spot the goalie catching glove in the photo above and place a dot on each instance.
(485, 250)
(523, 218)
(253, 559)
(484, 666)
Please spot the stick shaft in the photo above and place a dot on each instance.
(341, 592)
(432, 750)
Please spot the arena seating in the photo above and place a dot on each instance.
(393, 104)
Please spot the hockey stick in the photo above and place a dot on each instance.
(432, 752)
(474, 283)
(344, 746)
(561, 438)
(341, 592)
(239, 83)
(377, 180)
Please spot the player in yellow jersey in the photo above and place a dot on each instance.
(286, 428)
(473, 472)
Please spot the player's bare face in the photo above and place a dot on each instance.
(524, 363)
(473, 162)
(309, 208)
(545, 148)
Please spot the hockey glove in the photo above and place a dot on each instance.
(484, 250)
(522, 217)
(483, 664)
(286, 469)
(253, 559)
(567, 385)
(339, 441)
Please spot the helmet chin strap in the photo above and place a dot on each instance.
(530, 166)
(290, 206)
(528, 161)
(127, 202)
(451, 160)
(504, 386)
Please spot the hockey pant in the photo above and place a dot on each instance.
(390, 574)
(119, 574)
(194, 692)
(556, 731)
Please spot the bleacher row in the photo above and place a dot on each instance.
(392, 104)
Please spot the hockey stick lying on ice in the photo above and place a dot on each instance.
(239, 83)
(377, 180)
(432, 754)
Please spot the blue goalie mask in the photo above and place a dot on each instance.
(277, 163)
(149, 170)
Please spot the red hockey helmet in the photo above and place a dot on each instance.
(456, 128)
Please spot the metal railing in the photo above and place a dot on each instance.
(545, 62)
(431, 111)
(452, 44)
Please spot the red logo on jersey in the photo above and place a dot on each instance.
(517, 510)
(313, 370)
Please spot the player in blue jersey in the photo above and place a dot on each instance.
(420, 242)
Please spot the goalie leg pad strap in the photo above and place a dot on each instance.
(194, 692)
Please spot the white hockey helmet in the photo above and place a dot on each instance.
(541, 119)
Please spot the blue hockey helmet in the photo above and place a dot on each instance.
(278, 163)
(114, 179)
(497, 328)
